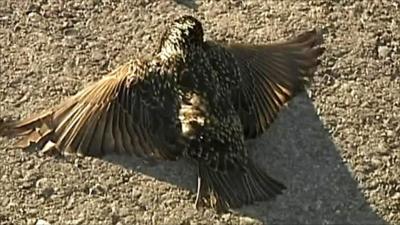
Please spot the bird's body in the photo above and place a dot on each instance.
(194, 99)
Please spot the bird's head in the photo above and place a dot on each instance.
(184, 34)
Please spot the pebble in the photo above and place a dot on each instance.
(244, 220)
(383, 51)
(42, 222)
(98, 55)
(396, 196)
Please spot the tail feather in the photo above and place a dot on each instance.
(233, 189)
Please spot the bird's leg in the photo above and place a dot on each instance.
(200, 191)
(214, 201)
(197, 202)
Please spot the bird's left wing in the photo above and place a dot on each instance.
(131, 111)
(271, 75)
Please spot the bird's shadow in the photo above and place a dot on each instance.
(298, 151)
(188, 3)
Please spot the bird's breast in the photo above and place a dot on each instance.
(193, 114)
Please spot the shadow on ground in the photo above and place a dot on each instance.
(298, 151)
(188, 3)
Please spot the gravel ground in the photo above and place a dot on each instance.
(338, 151)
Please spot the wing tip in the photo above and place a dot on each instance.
(9, 128)
(310, 38)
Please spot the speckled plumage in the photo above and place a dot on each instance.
(195, 99)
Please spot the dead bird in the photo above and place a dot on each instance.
(193, 99)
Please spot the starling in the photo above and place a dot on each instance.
(193, 99)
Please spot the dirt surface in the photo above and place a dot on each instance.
(338, 151)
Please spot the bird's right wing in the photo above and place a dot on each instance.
(271, 75)
(131, 111)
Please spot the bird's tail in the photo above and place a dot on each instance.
(233, 189)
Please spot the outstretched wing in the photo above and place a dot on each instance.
(271, 75)
(131, 111)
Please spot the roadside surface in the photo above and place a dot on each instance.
(342, 164)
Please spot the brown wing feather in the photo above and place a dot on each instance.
(117, 114)
(272, 75)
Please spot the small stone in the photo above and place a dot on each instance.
(42, 222)
(42, 182)
(29, 221)
(247, 220)
(97, 189)
(47, 192)
(78, 221)
(136, 193)
(396, 196)
(98, 55)
(383, 51)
